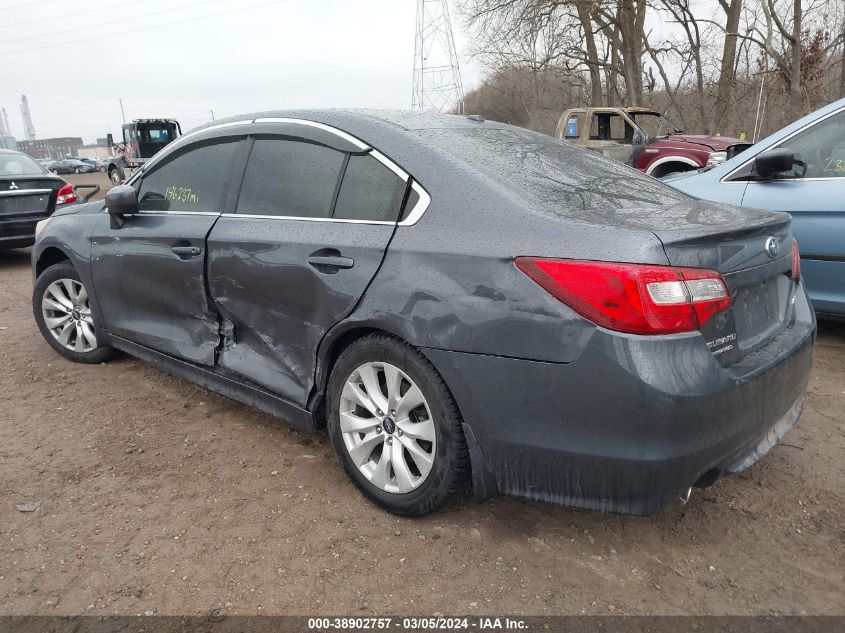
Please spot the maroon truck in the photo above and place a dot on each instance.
(644, 139)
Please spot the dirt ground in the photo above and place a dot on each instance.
(158, 496)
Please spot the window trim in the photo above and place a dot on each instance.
(411, 218)
(728, 179)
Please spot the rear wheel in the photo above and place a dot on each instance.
(62, 310)
(78, 170)
(395, 427)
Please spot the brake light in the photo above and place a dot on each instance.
(66, 195)
(796, 261)
(633, 298)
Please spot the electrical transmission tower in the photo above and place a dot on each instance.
(437, 75)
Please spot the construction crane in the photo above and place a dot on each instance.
(437, 74)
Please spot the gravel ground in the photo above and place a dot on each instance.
(158, 496)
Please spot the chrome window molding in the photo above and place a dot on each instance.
(25, 192)
(421, 206)
(384, 160)
(778, 144)
(320, 126)
(255, 216)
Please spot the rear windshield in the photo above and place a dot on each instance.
(553, 176)
(19, 165)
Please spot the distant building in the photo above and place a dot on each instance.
(52, 148)
(93, 151)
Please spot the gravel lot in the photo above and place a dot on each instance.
(157, 495)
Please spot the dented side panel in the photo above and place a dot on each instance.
(279, 305)
(151, 295)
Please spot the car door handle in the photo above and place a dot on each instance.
(186, 251)
(331, 261)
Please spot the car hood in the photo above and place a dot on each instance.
(713, 143)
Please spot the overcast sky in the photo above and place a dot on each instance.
(286, 54)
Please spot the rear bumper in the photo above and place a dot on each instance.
(18, 232)
(20, 239)
(634, 421)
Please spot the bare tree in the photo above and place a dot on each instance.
(727, 72)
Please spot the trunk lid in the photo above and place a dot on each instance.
(27, 195)
(753, 252)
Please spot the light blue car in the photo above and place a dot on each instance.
(799, 169)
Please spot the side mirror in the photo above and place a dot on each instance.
(120, 201)
(109, 140)
(774, 161)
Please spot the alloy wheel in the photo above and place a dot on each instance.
(67, 315)
(387, 427)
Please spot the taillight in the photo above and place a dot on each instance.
(796, 261)
(66, 195)
(634, 298)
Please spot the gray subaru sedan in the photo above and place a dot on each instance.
(466, 307)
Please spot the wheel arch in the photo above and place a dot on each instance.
(482, 484)
(50, 256)
(665, 164)
(330, 349)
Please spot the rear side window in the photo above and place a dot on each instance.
(290, 178)
(369, 191)
(193, 180)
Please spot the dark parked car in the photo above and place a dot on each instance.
(96, 163)
(28, 193)
(464, 305)
(70, 166)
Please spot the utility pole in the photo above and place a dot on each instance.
(122, 113)
(437, 74)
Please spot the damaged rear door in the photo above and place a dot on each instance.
(150, 273)
(314, 218)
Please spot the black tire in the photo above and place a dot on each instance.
(78, 170)
(64, 270)
(116, 176)
(449, 474)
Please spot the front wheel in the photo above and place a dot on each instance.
(395, 426)
(116, 176)
(62, 310)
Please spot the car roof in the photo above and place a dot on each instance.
(398, 119)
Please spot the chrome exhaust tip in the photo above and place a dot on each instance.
(685, 496)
